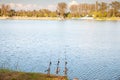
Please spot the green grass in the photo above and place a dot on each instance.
(6, 74)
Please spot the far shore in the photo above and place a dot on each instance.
(57, 18)
(29, 18)
(108, 19)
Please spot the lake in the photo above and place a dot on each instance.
(91, 48)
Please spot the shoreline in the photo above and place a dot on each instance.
(56, 18)
(108, 19)
(28, 18)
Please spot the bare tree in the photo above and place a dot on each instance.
(74, 10)
(5, 10)
(103, 7)
(62, 7)
(116, 7)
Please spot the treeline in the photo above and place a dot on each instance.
(75, 10)
(94, 10)
(6, 10)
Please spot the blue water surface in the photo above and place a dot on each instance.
(92, 48)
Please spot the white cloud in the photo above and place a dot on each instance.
(52, 7)
(18, 6)
(72, 3)
(12, 5)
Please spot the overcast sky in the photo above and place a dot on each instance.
(37, 4)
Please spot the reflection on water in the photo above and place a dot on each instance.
(92, 47)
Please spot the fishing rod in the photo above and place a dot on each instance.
(65, 69)
(58, 68)
(49, 68)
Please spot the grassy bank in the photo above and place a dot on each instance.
(28, 18)
(15, 75)
(108, 18)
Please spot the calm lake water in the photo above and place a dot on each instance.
(92, 47)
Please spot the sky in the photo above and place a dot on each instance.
(38, 4)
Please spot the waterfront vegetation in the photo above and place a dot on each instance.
(99, 10)
(6, 74)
